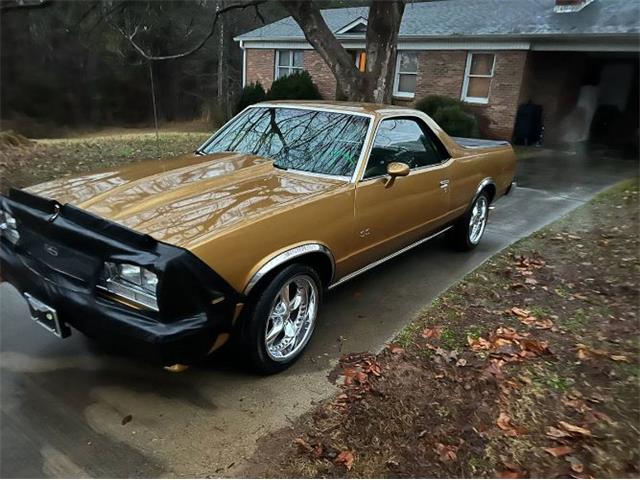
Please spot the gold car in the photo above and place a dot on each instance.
(167, 259)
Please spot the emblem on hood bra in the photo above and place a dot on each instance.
(56, 212)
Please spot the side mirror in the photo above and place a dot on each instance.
(396, 169)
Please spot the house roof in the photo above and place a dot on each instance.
(480, 18)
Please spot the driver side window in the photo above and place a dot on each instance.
(403, 140)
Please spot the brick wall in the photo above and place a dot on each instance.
(260, 66)
(499, 114)
(440, 72)
(321, 74)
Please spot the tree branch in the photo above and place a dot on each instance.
(199, 45)
(320, 36)
(8, 5)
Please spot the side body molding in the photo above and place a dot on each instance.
(287, 255)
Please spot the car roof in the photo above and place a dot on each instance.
(378, 109)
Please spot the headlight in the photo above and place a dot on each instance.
(130, 282)
(9, 227)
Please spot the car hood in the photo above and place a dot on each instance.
(184, 200)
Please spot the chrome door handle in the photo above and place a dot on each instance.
(444, 184)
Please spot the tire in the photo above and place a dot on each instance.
(267, 318)
(469, 229)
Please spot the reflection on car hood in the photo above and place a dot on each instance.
(179, 201)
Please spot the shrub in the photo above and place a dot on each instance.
(450, 114)
(456, 122)
(432, 103)
(251, 93)
(297, 86)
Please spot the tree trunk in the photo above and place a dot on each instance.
(350, 82)
(373, 85)
(382, 40)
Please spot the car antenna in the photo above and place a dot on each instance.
(155, 108)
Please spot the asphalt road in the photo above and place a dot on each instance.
(63, 402)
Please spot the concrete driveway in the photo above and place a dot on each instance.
(63, 402)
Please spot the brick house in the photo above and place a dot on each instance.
(494, 55)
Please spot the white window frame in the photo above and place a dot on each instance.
(468, 74)
(290, 67)
(396, 77)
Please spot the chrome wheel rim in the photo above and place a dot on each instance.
(478, 219)
(292, 318)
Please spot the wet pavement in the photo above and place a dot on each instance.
(63, 402)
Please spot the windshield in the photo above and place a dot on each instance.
(309, 140)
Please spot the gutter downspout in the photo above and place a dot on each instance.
(244, 64)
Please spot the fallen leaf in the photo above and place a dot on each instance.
(619, 358)
(586, 352)
(395, 349)
(574, 429)
(478, 343)
(447, 453)
(559, 451)
(432, 332)
(535, 346)
(346, 458)
(126, 419)
(303, 445)
(512, 474)
(493, 370)
(504, 424)
(554, 432)
(543, 324)
(577, 404)
(602, 416)
(576, 465)
(520, 312)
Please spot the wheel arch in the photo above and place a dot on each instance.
(488, 185)
(316, 255)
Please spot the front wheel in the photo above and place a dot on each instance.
(468, 230)
(283, 319)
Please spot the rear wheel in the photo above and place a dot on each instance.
(283, 319)
(468, 230)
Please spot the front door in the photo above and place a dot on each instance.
(391, 217)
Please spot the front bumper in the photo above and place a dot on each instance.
(187, 323)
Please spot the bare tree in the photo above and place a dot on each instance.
(374, 84)
(130, 36)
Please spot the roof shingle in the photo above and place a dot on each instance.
(477, 18)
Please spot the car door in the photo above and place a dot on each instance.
(389, 217)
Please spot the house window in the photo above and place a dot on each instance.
(288, 62)
(477, 77)
(404, 84)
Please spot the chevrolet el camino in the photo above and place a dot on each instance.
(168, 259)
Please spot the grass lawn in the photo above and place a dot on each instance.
(48, 159)
(529, 367)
